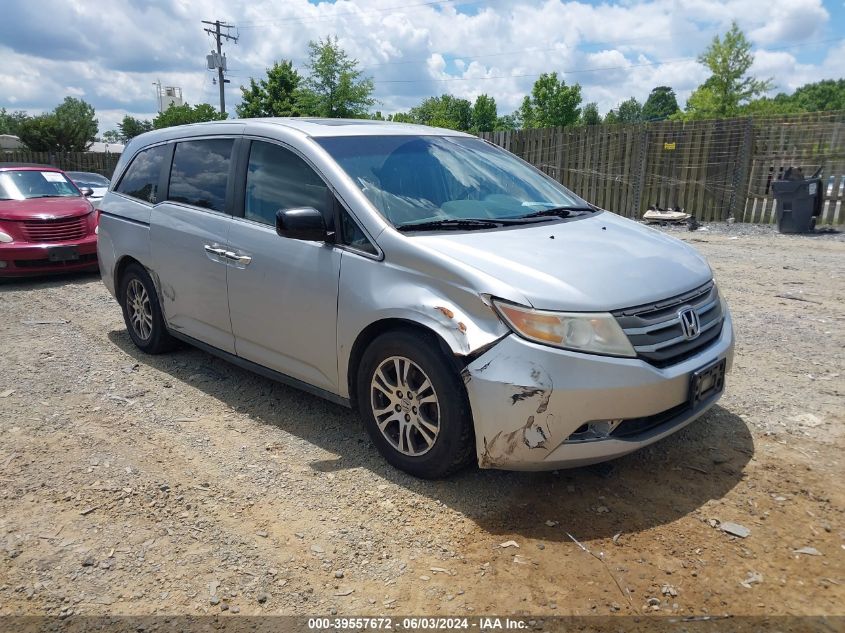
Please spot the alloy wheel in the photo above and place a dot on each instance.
(140, 309)
(405, 406)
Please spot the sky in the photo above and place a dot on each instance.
(111, 53)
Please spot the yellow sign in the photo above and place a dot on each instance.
(670, 146)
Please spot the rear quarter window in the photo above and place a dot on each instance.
(142, 176)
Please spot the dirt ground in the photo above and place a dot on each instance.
(180, 484)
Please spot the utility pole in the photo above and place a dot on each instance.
(218, 61)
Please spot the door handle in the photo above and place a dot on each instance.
(243, 260)
(211, 250)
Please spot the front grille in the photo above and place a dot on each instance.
(60, 230)
(655, 329)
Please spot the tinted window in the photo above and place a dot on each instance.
(279, 179)
(141, 179)
(200, 172)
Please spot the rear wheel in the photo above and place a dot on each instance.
(141, 311)
(414, 405)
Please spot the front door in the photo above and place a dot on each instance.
(283, 292)
(188, 239)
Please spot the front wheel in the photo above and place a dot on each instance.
(414, 406)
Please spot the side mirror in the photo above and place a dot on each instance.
(87, 192)
(305, 223)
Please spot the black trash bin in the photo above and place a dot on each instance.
(799, 201)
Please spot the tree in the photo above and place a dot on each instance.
(660, 105)
(552, 103)
(279, 94)
(401, 117)
(70, 127)
(768, 106)
(611, 117)
(590, 114)
(76, 125)
(821, 96)
(335, 86)
(630, 111)
(728, 87)
(508, 122)
(112, 136)
(10, 121)
(525, 114)
(185, 113)
(130, 127)
(484, 115)
(40, 133)
(444, 111)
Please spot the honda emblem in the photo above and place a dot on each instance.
(690, 324)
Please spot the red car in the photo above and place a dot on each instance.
(47, 224)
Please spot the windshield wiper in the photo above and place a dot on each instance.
(558, 212)
(451, 224)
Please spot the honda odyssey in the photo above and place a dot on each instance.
(466, 304)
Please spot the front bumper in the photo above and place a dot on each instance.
(23, 259)
(528, 400)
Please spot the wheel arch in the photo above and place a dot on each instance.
(383, 326)
(120, 269)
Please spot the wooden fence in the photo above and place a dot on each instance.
(97, 162)
(713, 169)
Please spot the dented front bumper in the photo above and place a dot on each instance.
(541, 408)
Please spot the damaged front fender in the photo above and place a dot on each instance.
(461, 317)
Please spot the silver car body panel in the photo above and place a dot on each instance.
(123, 231)
(415, 286)
(554, 265)
(298, 308)
(190, 274)
(283, 303)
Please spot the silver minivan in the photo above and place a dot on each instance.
(466, 304)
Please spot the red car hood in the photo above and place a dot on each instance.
(44, 208)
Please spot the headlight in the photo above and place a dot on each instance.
(5, 238)
(596, 333)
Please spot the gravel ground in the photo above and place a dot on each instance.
(180, 484)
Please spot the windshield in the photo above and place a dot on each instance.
(24, 184)
(86, 180)
(417, 180)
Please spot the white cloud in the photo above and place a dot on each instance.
(499, 47)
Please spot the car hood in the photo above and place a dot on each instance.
(44, 208)
(603, 262)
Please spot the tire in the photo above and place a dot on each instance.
(142, 312)
(428, 429)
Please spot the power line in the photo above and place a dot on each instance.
(218, 60)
